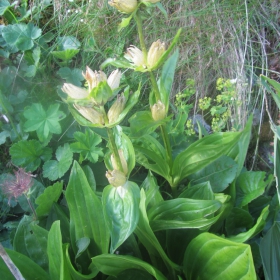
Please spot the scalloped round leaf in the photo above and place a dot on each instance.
(29, 153)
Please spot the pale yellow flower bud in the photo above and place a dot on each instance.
(94, 78)
(90, 114)
(74, 91)
(158, 111)
(151, 1)
(116, 178)
(123, 162)
(155, 52)
(116, 108)
(135, 56)
(114, 79)
(124, 6)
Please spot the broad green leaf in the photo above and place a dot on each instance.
(143, 123)
(201, 191)
(86, 146)
(239, 220)
(29, 153)
(65, 55)
(86, 213)
(31, 240)
(147, 237)
(76, 275)
(132, 274)
(166, 79)
(5, 105)
(121, 210)
(4, 5)
(68, 43)
(123, 143)
(249, 186)
(82, 245)
(115, 264)
(153, 195)
(21, 35)
(120, 63)
(183, 213)
(3, 136)
(202, 153)
(55, 253)
(270, 252)
(46, 199)
(209, 257)
(54, 169)
(73, 76)
(101, 93)
(257, 228)
(28, 268)
(219, 173)
(43, 122)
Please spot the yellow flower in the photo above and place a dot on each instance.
(116, 178)
(90, 114)
(94, 78)
(124, 6)
(158, 111)
(116, 108)
(135, 56)
(123, 162)
(156, 50)
(114, 79)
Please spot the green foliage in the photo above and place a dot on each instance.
(54, 169)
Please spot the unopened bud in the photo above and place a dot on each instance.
(114, 79)
(123, 162)
(90, 114)
(158, 111)
(116, 178)
(116, 108)
(74, 91)
(124, 6)
(135, 56)
(155, 52)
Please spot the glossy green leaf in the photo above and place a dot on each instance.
(76, 275)
(82, 245)
(249, 185)
(183, 213)
(55, 253)
(121, 210)
(31, 240)
(115, 264)
(101, 93)
(201, 191)
(43, 122)
(4, 6)
(143, 123)
(29, 154)
(86, 146)
(239, 220)
(219, 173)
(257, 228)
(120, 63)
(45, 200)
(54, 169)
(21, 35)
(211, 257)
(166, 79)
(28, 268)
(202, 153)
(147, 237)
(270, 252)
(86, 213)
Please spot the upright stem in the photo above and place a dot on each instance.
(114, 148)
(140, 34)
(155, 86)
(31, 207)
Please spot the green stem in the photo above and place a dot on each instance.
(140, 34)
(155, 86)
(13, 15)
(31, 207)
(114, 148)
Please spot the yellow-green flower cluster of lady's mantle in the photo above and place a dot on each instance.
(89, 103)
